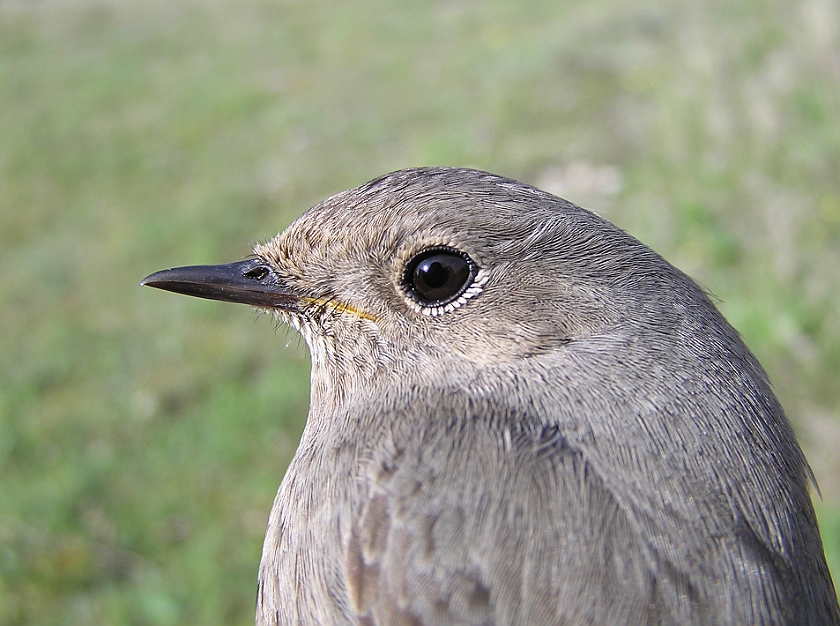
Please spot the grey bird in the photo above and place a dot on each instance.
(519, 415)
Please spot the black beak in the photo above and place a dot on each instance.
(247, 282)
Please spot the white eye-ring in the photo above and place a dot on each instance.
(441, 279)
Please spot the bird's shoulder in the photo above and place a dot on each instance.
(490, 517)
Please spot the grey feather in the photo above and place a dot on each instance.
(580, 439)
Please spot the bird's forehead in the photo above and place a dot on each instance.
(405, 213)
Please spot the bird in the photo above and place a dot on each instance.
(519, 414)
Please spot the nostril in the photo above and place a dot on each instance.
(257, 273)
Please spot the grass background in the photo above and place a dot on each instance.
(143, 435)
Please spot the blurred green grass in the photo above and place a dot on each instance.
(143, 435)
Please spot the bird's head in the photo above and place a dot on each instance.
(441, 268)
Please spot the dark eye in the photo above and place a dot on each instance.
(438, 276)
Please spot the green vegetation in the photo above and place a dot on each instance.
(143, 435)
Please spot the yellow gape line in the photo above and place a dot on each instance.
(340, 307)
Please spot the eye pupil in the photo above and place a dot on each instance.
(433, 274)
(438, 276)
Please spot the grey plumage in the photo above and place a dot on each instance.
(578, 437)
